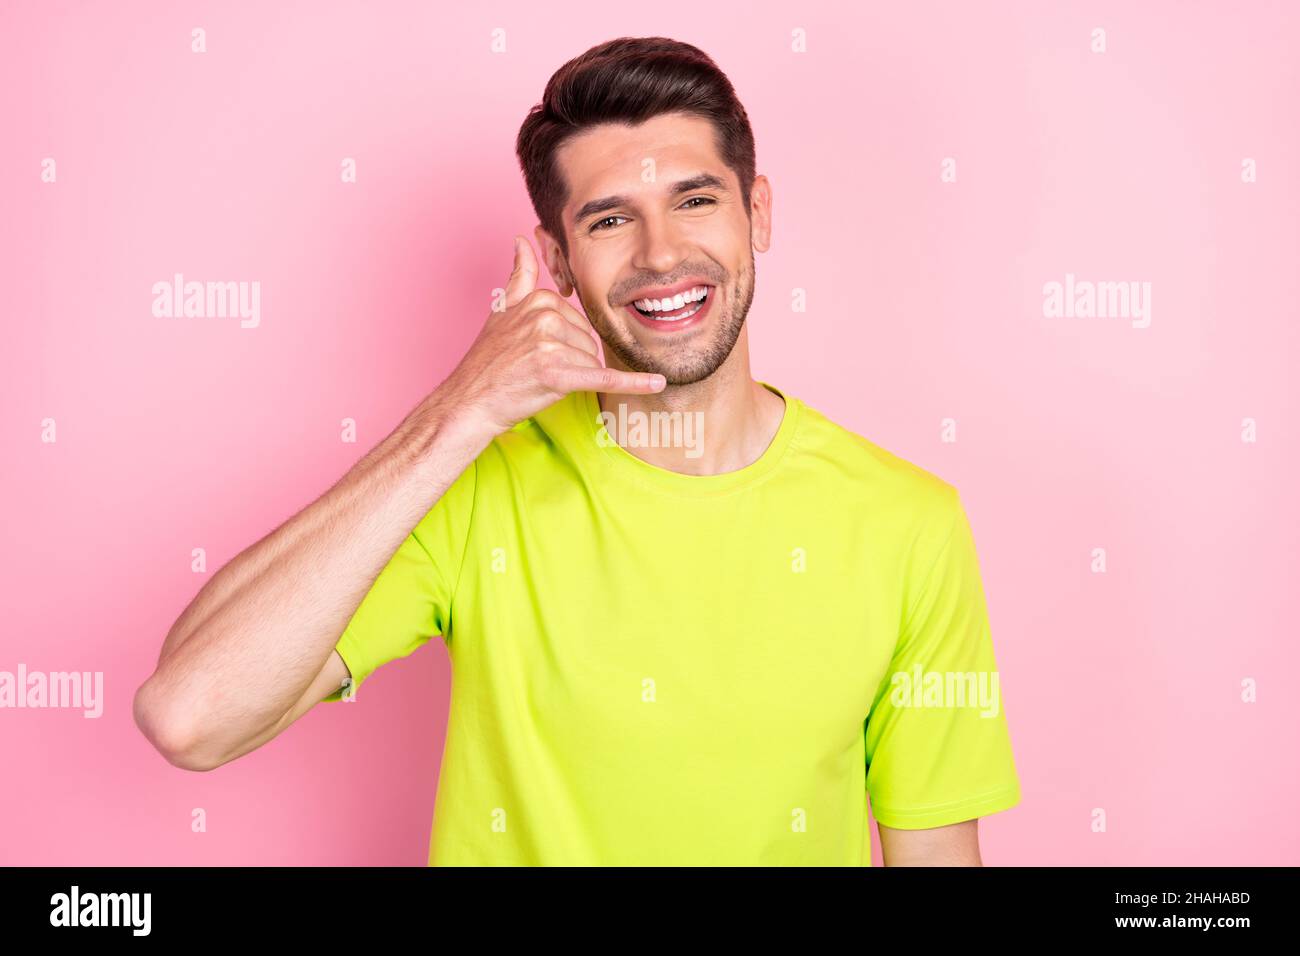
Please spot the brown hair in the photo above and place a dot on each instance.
(628, 80)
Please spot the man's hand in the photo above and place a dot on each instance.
(532, 352)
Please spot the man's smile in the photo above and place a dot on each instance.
(675, 309)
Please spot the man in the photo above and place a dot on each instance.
(681, 652)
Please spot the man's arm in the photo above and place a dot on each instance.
(955, 845)
(255, 648)
(250, 653)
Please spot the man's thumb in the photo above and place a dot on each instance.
(523, 279)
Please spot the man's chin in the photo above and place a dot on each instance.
(679, 372)
(677, 361)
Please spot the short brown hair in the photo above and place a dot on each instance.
(628, 80)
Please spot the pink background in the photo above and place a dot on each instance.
(1122, 690)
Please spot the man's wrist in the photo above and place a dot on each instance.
(445, 431)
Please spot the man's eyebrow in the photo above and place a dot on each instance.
(597, 206)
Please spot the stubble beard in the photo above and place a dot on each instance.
(688, 362)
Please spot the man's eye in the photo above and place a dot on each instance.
(686, 205)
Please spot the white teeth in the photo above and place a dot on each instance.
(678, 318)
(677, 302)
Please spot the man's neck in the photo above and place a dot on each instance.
(720, 424)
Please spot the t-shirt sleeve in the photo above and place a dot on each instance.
(411, 599)
(937, 746)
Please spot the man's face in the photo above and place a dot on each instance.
(652, 212)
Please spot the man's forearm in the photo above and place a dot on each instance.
(252, 640)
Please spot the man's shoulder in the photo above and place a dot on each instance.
(902, 501)
(540, 444)
(867, 467)
(559, 420)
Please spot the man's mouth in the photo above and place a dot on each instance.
(672, 313)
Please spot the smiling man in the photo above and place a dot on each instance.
(663, 653)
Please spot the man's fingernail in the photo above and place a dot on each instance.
(657, 381)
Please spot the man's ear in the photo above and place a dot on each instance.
(760, 203)
(554, 261)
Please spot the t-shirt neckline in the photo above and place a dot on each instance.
(594, 436)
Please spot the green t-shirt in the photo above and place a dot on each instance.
(653, 668)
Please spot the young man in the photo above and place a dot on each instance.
(705, 650)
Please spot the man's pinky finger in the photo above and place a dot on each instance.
(578, 379)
